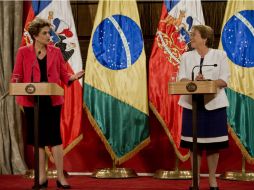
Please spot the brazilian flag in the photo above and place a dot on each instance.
(115, 91)
(237, 40)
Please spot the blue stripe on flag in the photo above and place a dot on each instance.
(170, 4)
(38, 6)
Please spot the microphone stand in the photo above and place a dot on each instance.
(36, 134)
(194, 132)
(194, 144)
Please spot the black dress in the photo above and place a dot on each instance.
(49, 116)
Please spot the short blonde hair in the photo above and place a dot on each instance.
(36, 25)
(206, 32)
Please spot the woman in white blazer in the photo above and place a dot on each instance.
(212, 118)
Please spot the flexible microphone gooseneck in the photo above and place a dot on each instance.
(192, 73)
(201, 64)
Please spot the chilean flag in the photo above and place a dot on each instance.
(171, 41)
(63, 35)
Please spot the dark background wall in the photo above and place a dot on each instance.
(84, 13)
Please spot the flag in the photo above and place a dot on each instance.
(171, 41)
(63, 35)
(115, 91)
(237, 39)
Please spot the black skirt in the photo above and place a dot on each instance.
(49, 123)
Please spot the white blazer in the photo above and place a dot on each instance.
(191, 59)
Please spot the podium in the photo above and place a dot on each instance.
(193, 88)
(36, 90)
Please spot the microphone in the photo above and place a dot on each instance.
(201, 64)
(32, 75)
(192, 72)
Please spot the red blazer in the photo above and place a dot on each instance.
(56, 70)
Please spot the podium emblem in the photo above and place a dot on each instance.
(30, 89)
(191, 87)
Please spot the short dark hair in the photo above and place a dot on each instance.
(36, 25)
(206, 32)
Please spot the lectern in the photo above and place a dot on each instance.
(36, 90)
(193, 88)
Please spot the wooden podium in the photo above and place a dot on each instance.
(193, 88)
(36, 90)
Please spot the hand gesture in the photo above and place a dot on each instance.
(200, 77)
(78, 75)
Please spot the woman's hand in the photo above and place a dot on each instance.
(221, 83)
(200, 77)
(80, 74)
(77, 76)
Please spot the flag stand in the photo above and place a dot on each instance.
(239, 176)
(114, 172)
(50, 173)
(175, 174)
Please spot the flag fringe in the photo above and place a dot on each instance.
(239, 144)
(73, 144)
(132, 153)
(114, 157)
(66, 150)
(183, 158)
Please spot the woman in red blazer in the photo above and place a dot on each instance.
(42, 62)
